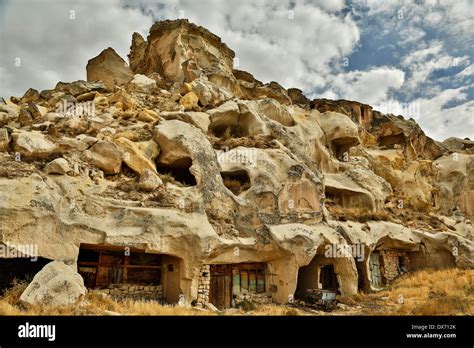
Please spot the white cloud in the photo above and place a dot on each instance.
(429, 58)
(435, 119)
(53, 47)
(370, 87)
(294, 48)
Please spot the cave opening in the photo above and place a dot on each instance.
(237, 181)
(179, 171)
(129, 272)
(318, 274)
(390, 140)
(19, 269)
(341, 147)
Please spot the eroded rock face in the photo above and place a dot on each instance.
(193, 160)
(109, 68)
(181, 51)
(57, 285)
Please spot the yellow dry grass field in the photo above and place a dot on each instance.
(428, 292)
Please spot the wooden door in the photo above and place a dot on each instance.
(375, 269)
(220, 292)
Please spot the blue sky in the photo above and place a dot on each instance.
(417, 53)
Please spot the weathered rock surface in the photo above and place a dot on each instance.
(57, 285)
(186, 157)
(109, 68)
(57, 166)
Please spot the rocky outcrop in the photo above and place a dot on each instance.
(109, 68)
(184, 157)
(181, 52)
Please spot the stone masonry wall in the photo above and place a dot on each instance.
(204, 285)
(391, 266)
(257, 298)
(134, 292)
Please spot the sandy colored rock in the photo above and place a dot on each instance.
(149, 180)
(109, 68)
(189, 101)
(57, 166)
(141, 83)
(105, 155)
(4, 139)
(56, 285)
(134, 157)
(259, 175)
(33, 145)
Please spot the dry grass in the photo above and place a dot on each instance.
(427, 292)
(355, 214)
(277, 310)
(256, 141)
(92, 304)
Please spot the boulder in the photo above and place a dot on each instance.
(109, 68)
(189, 101)
(56, 285)
(122, 98)
(148, 116)
(341, 132)
(57, 166)
(33, 145)
(30, 95)
(79, 87)
(198, 119)
(141, 83)
(105, 155)
(209, 94)
(149, 180)
(8, 113)
(134, 157)
(460, 145)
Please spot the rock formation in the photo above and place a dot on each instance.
(216, 178)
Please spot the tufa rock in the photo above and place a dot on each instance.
(33, 145)
(149, 181)
(56, 285)
(109, 68)
(57, 166)
(189, 101)
(105, 155)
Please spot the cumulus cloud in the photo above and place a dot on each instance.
(370, 87)
(435, 118)
(44, 42)
(429, 58)
(292, 42)
(298, 43)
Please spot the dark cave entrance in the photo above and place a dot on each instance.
(237, 181)
(390, 140)
(341, 147)
(319, 274)
(19, 269)
(179, 170)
